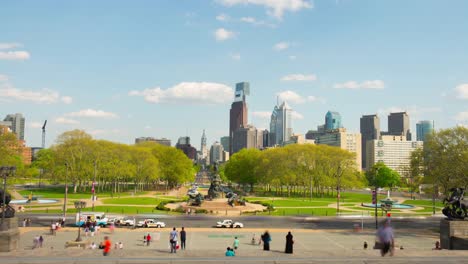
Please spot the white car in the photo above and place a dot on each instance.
(229, 223)
(151, 223)
(127, 222)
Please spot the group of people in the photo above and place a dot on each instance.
(174, 237)
(91, 227)
(26, 222)
(38, 241)
(265, 238)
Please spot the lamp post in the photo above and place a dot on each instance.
(338, 192)
(79, 205)
(5, 171)
(93, 190)
(376, 197)
(66, 192)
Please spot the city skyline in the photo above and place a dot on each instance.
(164, 70)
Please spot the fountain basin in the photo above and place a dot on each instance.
(394, 205)
(39, 201)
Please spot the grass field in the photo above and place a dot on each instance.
(132, 201)
(59, 192)
(108, 209)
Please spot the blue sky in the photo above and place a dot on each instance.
(125, 69)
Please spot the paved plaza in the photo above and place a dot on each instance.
(209, 244)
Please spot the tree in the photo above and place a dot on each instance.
(382, 176)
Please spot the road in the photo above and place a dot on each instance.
(421, 223)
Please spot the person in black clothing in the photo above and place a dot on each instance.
(183, 236)
(266, 239)
(289, 243)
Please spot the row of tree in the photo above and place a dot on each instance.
(295, 169)
(80, 160)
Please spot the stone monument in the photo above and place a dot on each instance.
(9, 233)
(215, 191)
(454, 229)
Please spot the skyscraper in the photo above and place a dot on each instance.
(238, 112)
(399, 125)
(216, 153)
(244, 137)
(225, 143)
(370, 130)
(17, 124)
(423, 128)
(280, 124)
(203, 148)
(184, 144)
(332, 120)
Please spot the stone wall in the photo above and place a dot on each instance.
(453, 234)
(9, 235)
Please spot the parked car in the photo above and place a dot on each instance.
(151, 223)
(229, 223)
(128, 222)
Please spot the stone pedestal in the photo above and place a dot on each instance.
(9, 235)
(453, 234)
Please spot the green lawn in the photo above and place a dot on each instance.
(133, 201)
(59, 192)
(424, 203)
(109, 209)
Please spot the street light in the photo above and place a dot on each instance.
(5, 171)
(376, 196)
(66, 192)
(79, 205)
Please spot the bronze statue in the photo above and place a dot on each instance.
(9, 211)
(456, 206)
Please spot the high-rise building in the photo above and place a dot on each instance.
(394, 151)
(238, 112)
(184, 144)
(244, 137)
(340, 138)
(203, 148)
(423, 128)
(280, 124)
(225, 143)
(370, 130)
(216, 153)
(266, 138)
(332, 120)
(399, 125)
(16, 123)
(162, 141)
(314, 134)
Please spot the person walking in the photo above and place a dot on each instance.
(148, 240)
(41, 240)
(107, 246)
(266, 239)
(173, 236)
(183, 236)
(385, 236)
(235, 245)
(289, 243)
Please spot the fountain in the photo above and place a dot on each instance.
(388, 202)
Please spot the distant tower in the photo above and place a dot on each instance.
(17, 124)
(44, 134)
(370, 130)
(280, 124)
(203, 149)
(238, 112)
(423, 128)
(332, 120)
(399, 125)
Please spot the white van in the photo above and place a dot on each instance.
(100, 218)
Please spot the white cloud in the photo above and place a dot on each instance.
(299, 77)
(192, 92)
(281, 46)
(34, 124)
(296, 115)
(462, 116)
(235, 56)
(250, 20)
(275, 8)
(3, 78)
(292, 57)
(293, 97)
(92, 113)
(462, 91)
(371, 84)
(4, 46)
(44, 96)
(66, 99)
(63, 120)
(261, 114)
(95, 132)
(14, 55)
(255, 22)
(222, 34)
(222, 17)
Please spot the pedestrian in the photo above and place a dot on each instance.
(91, 230)
(289, 243)
(92, 246)
(385, 236)
(111, 228)
(86, 230)
(63, 221)
(41, 240)
(173, 237)
(183, 236)
(235, 245)
(24, 222)
(107, 246)
(229, 252)
(53, 228)
(120, 245)
(266, 239)
(148, 239)
(28, 222)
(35, 242)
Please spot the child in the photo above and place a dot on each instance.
(236, 243)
